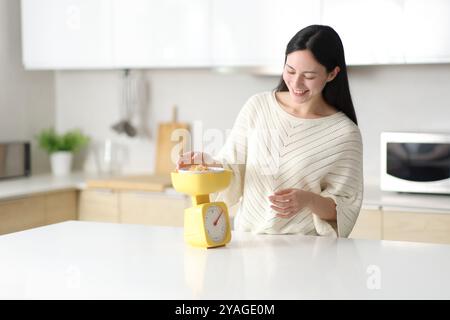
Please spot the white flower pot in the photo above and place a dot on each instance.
(61, 163)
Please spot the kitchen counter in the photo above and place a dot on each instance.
(25, 186)
(86, 260)
(35, 184)
(373, 196)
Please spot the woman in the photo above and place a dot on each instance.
(296, 152)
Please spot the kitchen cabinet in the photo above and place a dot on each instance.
(257, 33)
(21, 214)
(393, 223)
(94, 34)
(369, 225)
(37, 210)
(153, 208)
(170, 33)
(117, 34)
(406, 225)
(427, 26)
(371, 30)
(61, 206)
(99, 205)
(391, 31)
(66, 34)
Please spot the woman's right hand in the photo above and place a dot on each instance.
(194, 157)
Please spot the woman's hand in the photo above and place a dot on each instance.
(193, 157)
(288, 202)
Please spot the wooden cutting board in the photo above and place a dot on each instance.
(156, 183)
(173, 140)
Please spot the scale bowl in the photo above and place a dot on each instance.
(196, 183)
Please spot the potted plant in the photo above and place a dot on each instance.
(61, 148)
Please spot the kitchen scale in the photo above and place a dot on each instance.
(206, 224)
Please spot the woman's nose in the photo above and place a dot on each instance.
(298, 81)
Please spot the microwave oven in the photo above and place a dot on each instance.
(15, 159)
(415, 162)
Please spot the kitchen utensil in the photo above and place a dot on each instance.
(128, 105)
(110, 156)
(173, 140)
(206, 224)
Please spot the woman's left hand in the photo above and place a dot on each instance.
(288, 202)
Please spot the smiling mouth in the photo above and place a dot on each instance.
(299, 92)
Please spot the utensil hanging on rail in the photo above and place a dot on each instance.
(128, 106)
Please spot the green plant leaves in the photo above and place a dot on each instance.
(50, 141)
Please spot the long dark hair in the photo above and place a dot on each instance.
(326, 46)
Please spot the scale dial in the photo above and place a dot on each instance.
(216, 223)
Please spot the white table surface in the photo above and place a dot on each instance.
(88, 260)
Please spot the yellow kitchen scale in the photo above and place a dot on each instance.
(206, 224)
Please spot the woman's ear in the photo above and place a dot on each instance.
(333, 74)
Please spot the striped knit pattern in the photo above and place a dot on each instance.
(270, 150)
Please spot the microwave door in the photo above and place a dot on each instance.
(418, 162)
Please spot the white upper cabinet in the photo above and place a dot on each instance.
(427, 26)
(155, 33)
(61, 34)
(95, 34)
(371, 30)
(256, 32)
(88, 34)
(391, 31)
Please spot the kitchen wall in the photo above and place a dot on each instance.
(397, 98)
(92, 100)
(27, 101)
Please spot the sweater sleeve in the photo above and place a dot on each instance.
(233, 156)
(344, 183)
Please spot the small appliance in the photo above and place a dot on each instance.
(415, 162)
(15, 159)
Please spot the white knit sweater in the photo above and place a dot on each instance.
(269, 149)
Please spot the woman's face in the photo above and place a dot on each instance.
(305, 77)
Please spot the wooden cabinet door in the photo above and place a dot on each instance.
(153, 208)
(368, 225)
(61, 206)
(98, 205)
(22, 214)
(416, 226)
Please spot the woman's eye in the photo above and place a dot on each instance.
(309, 78)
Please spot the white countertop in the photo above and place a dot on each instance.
(87, 260)
(20, 187)
(374, 197)
(42, 183)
